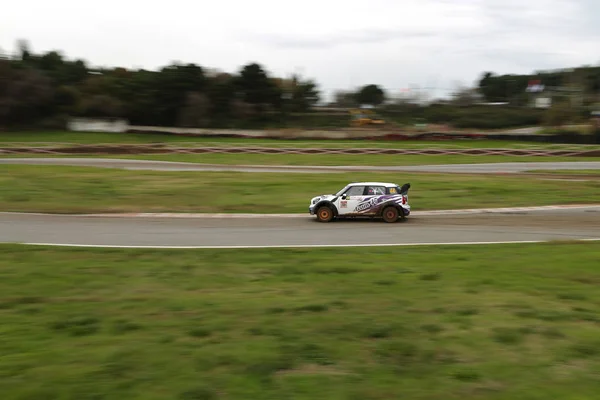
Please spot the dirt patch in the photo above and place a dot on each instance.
(312, 369)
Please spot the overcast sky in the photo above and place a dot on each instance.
(341, 43)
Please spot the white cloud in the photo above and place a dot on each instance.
(342, 44)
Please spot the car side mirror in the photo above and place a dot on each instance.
(344, 196)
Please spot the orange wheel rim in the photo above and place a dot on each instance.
(324, 214)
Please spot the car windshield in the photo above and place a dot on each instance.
(342, 190)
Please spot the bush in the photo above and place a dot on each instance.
(476, 117)
(559, 115)
(497, 118)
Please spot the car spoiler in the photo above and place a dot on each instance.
(404, 188)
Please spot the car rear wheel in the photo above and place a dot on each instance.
(390, 214)
(324, 214)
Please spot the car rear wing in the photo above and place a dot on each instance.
(404, 188)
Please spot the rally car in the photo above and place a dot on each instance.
(363, 199)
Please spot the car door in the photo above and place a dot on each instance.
(371, 199)
(348, 201)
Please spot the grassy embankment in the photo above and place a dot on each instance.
(489, 322)
(79, 189)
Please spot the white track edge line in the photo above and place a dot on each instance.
(299, 245)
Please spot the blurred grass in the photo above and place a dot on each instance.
(80, 189)
(568, 172)
(344, 159)
(320, 159)
(488, 322)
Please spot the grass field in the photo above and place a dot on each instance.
(79, 189)
(339, 159)
(10, 138)
(322, 159)
(499, 322)
(587, 172)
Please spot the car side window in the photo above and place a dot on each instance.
(376, 191)
(355, 191)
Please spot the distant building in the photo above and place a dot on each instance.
(540, 98)
(542, 101)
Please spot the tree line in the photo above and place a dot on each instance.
(44, 90)
(49, 88)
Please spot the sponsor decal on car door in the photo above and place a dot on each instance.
(368, 204)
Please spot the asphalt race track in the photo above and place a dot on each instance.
(131, 231)
(531, 225)
(129, 164)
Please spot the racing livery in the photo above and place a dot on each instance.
(363, 199)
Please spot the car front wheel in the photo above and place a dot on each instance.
(324, 214)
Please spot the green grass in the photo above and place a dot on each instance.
(568, 172)
(11, 138)
(496, 322)
(80, 189)
(342, 159)
(320, 159)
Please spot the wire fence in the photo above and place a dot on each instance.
(123, 149)
(444, 145)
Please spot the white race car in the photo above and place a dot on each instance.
(363, 199)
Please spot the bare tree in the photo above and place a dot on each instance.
(464, 96)
(345, 99)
